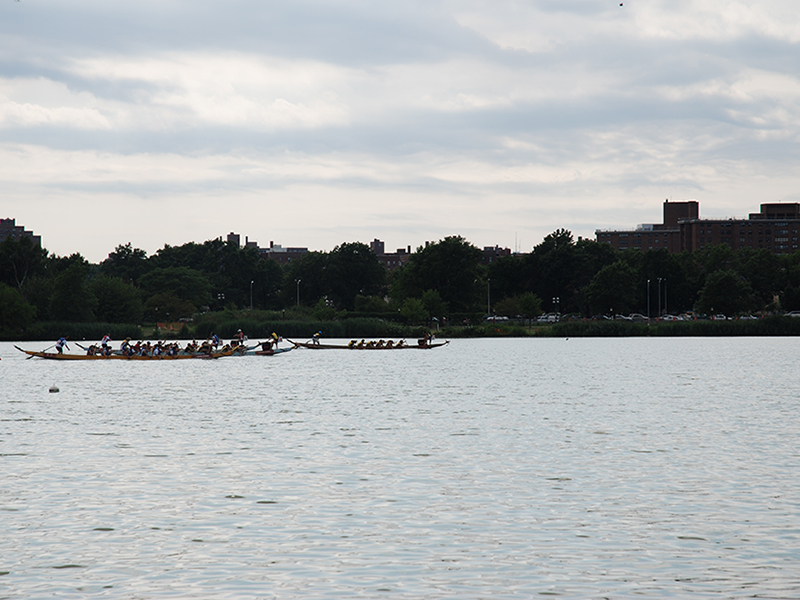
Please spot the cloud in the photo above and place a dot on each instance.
(317, 121)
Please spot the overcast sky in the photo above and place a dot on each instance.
(313, 123)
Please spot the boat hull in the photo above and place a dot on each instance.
(270, 352)
(57, 356)
(313, 346)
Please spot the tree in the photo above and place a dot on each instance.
(372, 304)
(726, 292)
(551, 269)
(20, 260)
(323, 311)
(127, 263)
(507, 275)
(452, 267)
(413, 310)
(72, 299)
(613, 289)
(353, 269)
(167, 307)
(530, 305)
(305, 278)
(15, 313)
(117, 301)
(433, 304)
(184, 283)
(764, 271)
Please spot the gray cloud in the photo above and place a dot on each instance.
(412, 118)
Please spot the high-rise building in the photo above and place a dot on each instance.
(9, 229)
(774, 228)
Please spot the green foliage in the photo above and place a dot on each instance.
(166, 307)
(371, 304)
(527, 305)
(726, 292)
(433, 304)
(530, 305)
(15, 313)
(558, 270)
(507, 307)
(184, 283)
(443, 279)
(305, 279)
(324, 311)
(72, 300)
(413, 310)
(452, 267)
(117, 301)
(613, 289)
(21, 260)
(126, 263)
(353, 269)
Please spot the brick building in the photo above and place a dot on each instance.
(392, 260)
(774, 228)
(492, 253)
(281, 255)
(10, 230)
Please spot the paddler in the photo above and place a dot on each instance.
(62, 341)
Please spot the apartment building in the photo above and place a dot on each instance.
(774, 228)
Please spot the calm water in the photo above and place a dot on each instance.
(581, 468)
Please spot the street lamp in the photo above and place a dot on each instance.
(666, 310)
(251, 295)
(488, 296)
(648, 302)
(659, 298)
(297, 281)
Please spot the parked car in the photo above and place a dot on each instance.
(670, 318)
(794, 313)
(719, 318)
(638, 318)
(548, 318)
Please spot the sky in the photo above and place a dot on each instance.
(315, 123)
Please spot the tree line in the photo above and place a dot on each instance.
(446, 280)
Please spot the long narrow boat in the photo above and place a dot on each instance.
(270, 352)
(57, 356)
(314, 346)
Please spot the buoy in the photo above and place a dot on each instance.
(53, 389)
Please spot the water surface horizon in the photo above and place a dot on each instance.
(580, 468)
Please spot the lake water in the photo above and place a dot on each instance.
(580, 468)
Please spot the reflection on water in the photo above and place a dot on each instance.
(486, 469)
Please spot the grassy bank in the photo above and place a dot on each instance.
(260, 325)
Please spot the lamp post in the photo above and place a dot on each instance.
(666, 310)
(488, 296)
(648, 302)
(659, 299)
(557, 305)
(297, 281)
(251, 295)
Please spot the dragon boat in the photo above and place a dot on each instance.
(117, 356)
(371, 345)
